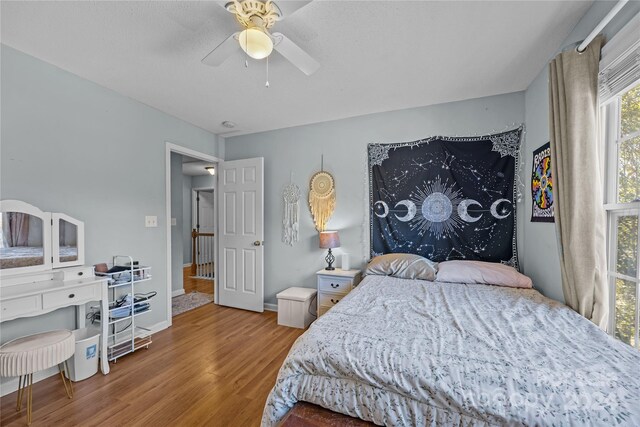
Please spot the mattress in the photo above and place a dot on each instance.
(410, 352)
(26, 256)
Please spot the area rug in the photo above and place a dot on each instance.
(189, 301)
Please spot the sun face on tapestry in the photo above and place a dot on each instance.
(445, 198)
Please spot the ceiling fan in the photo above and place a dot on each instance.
(257, 18)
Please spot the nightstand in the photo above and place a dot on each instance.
(333, 285)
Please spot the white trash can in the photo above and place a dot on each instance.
(84, 362)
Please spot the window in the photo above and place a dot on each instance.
(619, 91)
(621, 127)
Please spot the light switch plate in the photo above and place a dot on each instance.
(150, 221)
(174, 221)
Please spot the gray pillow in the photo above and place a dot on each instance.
(404, 266)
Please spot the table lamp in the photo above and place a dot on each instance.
(329, 240)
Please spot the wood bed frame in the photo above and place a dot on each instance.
(305, 414)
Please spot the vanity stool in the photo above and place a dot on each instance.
(24, 356)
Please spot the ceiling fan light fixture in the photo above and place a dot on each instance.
(256, 43)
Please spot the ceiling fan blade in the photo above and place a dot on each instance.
(295, 54)
(223, 51)
(287, 7)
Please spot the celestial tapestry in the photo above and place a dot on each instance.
(542, 185)
(445, 198)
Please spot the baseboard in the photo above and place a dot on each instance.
(271, 307)
(158, 327)
(177, 292)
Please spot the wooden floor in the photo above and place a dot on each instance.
(215, 366)
(193, 284)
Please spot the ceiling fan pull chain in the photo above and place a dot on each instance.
(267, 83)
(246, 56)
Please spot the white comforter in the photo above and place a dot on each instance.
(410, 352)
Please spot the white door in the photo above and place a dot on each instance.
(241, 234)
(206, 216)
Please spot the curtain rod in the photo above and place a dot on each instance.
(592, 35)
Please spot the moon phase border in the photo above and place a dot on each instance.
(465, 166)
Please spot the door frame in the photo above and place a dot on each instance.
(174, 148)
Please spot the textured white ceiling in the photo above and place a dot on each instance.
(375, 55)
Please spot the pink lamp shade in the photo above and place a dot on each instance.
(329, 239)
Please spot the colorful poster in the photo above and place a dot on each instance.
(542, 185)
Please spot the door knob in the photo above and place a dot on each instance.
(257, 243)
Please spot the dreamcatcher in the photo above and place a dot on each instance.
(322, 199)
(290, 220)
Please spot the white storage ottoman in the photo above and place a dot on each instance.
(294, 307)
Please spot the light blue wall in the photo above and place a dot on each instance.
(69, 145)
(539, 248)
(343, 143)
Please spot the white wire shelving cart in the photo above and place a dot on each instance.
(124, 336)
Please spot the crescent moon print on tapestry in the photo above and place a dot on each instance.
(503, 212)
(463, 210)
(411, 210)
(322, 198)
(445, 197)
(380, 205)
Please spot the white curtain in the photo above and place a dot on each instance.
(576, 168)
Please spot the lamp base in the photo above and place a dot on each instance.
(330, 260)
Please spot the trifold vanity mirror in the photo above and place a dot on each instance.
(32, 240)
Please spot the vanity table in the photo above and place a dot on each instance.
(36, 294)
(41, 257)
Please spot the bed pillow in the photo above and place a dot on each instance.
(489, 273)
(404, 266)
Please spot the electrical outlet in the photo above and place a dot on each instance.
(174, 221)
(150, 221)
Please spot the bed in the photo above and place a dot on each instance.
(414, 352)
(26, 256)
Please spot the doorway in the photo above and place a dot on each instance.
(190, 244)
(203, 226)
